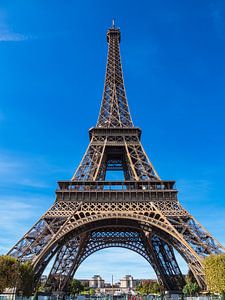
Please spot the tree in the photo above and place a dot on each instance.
(14, 274)
(148, 287)
(75, 287)
(9, 272)
(215, 273)
(155, 288)
(91, 292)
(139, 288)
(26, 279)
(191, 289)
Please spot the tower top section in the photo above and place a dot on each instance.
(113, 32)
(114, 111)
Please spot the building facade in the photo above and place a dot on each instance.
(127, 282)
(96, 282)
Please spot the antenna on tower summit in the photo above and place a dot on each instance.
(113, 23)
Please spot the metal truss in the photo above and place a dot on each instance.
(141, 212)
(121, 151)
(65, 262)
(80, 217)
(114, 110)
(174, 279)
(71, 255)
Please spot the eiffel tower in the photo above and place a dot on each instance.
(141, 213)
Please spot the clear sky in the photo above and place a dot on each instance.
(52, 58)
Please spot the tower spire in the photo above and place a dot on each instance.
(114, 110)
(113, 23)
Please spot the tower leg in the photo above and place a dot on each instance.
(164, 262)
(67, 260)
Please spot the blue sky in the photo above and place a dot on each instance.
(52, 57)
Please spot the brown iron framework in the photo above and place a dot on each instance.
(140, 213)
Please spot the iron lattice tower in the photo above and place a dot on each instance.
(141, 212)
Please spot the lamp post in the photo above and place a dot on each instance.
(112, 287)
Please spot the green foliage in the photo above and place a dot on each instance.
(9, 271)
(26, 279)
(91, 292)
(191, 289)
(222, 296)
(75, 287)
(215, 273)
(85, 292)
(16, 274)
(41, 288)
(148, 287)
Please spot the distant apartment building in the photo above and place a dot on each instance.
(96, 282)
(127, 282)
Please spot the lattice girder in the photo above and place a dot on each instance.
(166, 258)
(125, 237)
(65, 261)
(136, 164)
(33, 242)
(147, 214)
(114, 110)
